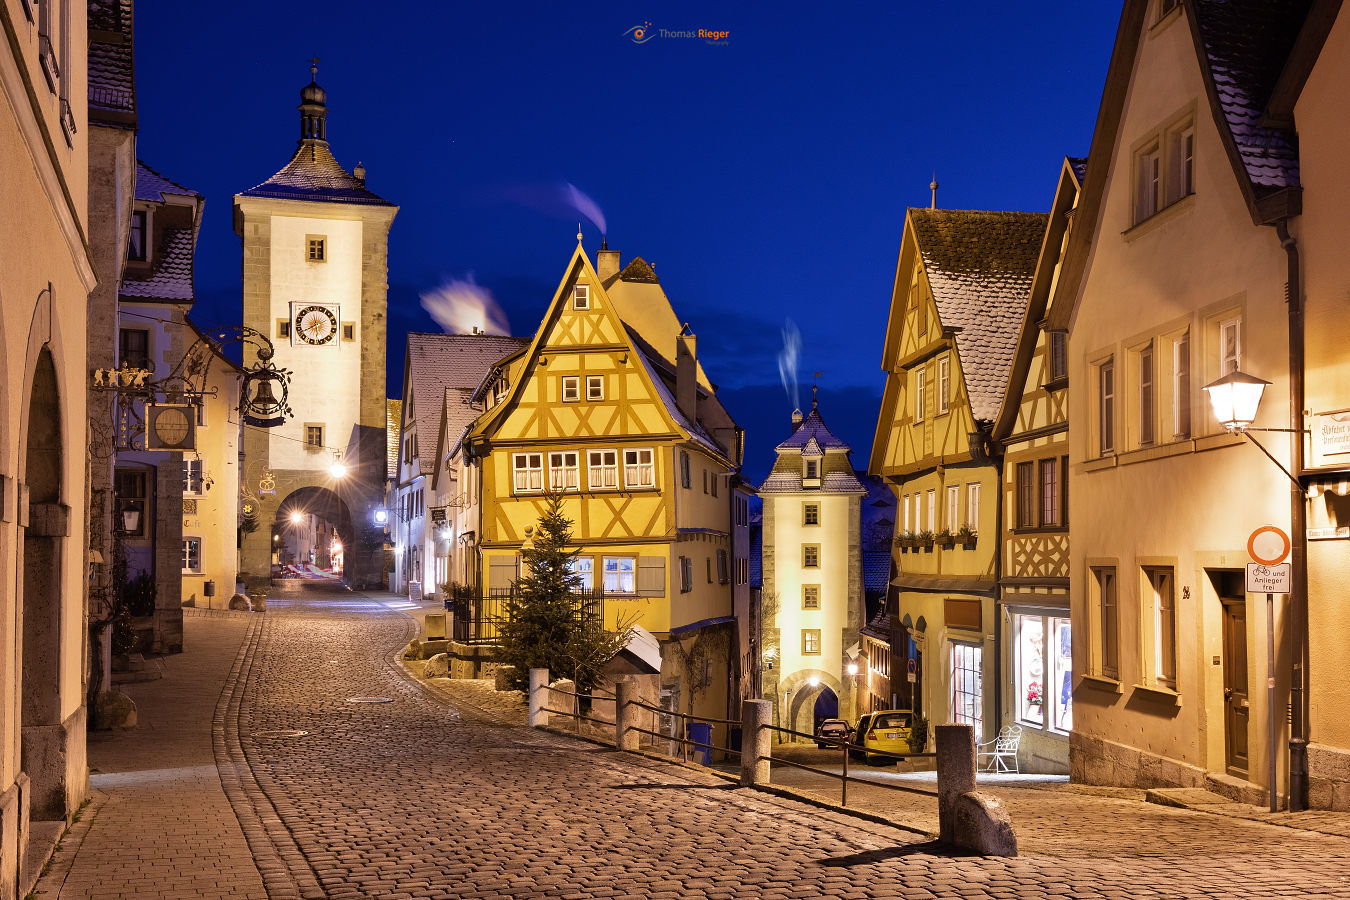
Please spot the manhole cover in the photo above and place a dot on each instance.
(281, 733)
(370, 700)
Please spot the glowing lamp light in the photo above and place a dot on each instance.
(276, 537)
(381, 517)
(337, 470)
(814, 682)
(853, 668)
(131, 520)
(297, 517)
(1234, 399)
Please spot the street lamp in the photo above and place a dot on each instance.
(381, 517)
(1234, 399)
(297, 517)
(131, 520)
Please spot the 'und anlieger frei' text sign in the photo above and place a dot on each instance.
(1269, 579)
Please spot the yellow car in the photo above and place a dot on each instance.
(888, 732)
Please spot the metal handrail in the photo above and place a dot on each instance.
(835, 741)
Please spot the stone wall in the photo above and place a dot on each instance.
(1100, 762)
(1328, 778)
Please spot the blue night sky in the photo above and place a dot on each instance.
(766, 178)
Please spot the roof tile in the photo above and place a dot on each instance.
(315, 174)
(437, 362)
(980, 266)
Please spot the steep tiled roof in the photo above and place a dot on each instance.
(437, 362)
(152, 186)
(314, 174)
(170, 276)
(1247, 45)
(393, 421)
(639, 270)
(812, 429)
(980, 266)
(877, 570)
(879, 629)
(112, 84)
(696, 431)
(1079, 166)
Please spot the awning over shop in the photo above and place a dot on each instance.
(939, 584)
(1337, 483)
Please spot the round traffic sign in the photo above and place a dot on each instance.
(1268, 545)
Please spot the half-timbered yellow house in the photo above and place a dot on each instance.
(1032, 431)
(960, 291)
(610, 406)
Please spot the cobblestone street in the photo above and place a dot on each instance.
(298, 760)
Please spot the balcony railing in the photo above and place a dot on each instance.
(477, 617)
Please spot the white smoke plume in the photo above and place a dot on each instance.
(461, 305)
(586, 206)
(787, 360)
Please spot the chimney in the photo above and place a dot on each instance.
(796, 420)
(686, 374)
(606, 262)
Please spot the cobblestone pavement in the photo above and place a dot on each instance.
(341, 794)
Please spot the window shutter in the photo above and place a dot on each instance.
(501, 572)
(651, 576)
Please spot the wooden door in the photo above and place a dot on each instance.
(1237, 708)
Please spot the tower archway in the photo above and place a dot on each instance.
(311, 536)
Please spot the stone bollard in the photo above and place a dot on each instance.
(627, 715)
(538, 698)
(755, 741)
(955, 774)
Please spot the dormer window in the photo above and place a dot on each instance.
(811, 469)
(581, 297)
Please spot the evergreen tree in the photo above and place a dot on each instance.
(540, 617)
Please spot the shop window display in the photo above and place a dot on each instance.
(1044, 667)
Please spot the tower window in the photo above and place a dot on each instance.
(349, 331)
(316, 251)
(313, 435)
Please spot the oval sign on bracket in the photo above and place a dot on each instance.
(1268, 545)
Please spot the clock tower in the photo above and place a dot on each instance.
(315, 245)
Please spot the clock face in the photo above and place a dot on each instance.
(316, 325)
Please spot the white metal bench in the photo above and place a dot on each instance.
(996, 755)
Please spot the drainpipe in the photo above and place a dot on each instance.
(1298, 612)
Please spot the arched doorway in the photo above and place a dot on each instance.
(311, 537)
(40, 690)
(827, 707)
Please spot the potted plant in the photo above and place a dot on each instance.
(918, 734)
(906, 540)
(945, 538)
(926, 538)
(966, 535)
(1035, 697)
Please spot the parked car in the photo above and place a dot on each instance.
(837, 729)
(888, 731)
(857, 751)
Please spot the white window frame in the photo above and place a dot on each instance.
(1148, 198)
(584, 568)
(187, 554)
(1230, 362)
(1181, 386)
(637, 473)
(953, 507)
(595, 388)
(527, 472)
(564, 470)
(1164, 632)
(904, 504)
(619, 573)
(581, 296)
(1147, 398)
(1106, 407)
(932, 509)
(920, 384)
(598, 472)
(944, 385)
(973, 505)
(1186, 163)
(971, 685)
(197, 465)
(571, 389)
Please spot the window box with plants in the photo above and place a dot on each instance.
(945, 538)
(926, 539)
(966, 536)
(907, 540)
